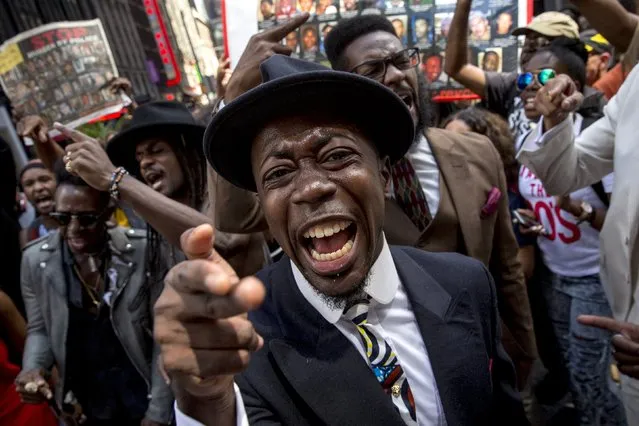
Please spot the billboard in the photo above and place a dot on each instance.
(59, 71)
(418, 23)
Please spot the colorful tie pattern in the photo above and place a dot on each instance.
(383, 362)
(409, 193)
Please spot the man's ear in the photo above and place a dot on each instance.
(385, 168)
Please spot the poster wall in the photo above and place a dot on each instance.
(60, 71)
(418, 23)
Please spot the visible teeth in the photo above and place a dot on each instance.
(326, 230)
(323, 257)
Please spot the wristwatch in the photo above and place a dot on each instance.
(587, 213)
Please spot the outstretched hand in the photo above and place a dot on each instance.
(86, 158)
(260, 47)
(625, 342)
(201, 321)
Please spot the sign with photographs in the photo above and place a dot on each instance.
(60, 71)
(418, 23)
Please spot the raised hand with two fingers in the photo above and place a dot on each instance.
(260, 47)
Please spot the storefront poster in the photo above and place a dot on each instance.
(418, 23)
(60, 71)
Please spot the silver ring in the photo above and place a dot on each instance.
(68, 167)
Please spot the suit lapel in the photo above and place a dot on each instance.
(323, 366)
(446, 326)
(454, 169)
(335, 382)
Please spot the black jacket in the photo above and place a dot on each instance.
(309, 373)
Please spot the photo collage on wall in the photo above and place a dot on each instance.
(418, 23)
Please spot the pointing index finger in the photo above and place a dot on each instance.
(603, 323)
(278, 33)
(70, 133)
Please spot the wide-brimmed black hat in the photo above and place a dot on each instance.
(151, 120)
(292, 86)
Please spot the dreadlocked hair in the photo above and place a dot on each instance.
(496, 129)
(193, 167)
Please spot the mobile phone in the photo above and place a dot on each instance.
(524, 221)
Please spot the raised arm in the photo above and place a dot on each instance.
(47, 150)
(611, 20)
(457, 65)
(551, 151)
(170, 218)
(235, 210)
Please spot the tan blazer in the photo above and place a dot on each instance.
(471, 167)
(610, 145)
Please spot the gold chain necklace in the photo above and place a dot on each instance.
(92, 292)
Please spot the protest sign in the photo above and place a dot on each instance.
(418, 23)
(60, 71)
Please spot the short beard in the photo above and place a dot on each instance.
(341, 301)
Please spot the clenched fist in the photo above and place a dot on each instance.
(558, 98)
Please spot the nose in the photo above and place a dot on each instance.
(145, 162)
(394, 76)
(73, 226)
(38, 186)
(312, 187)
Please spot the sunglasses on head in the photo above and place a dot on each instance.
(85, 220)
(527, 78)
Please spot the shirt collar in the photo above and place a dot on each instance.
(382, 286)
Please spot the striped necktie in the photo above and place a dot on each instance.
(383, 361)
(409, 193)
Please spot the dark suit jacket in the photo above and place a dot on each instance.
(471, 167)
(309, 373)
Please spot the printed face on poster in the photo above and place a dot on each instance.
(424, 24)
(60, 71)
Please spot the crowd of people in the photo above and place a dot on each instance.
(328, 246)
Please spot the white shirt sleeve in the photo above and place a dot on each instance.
(241, 419)
(608, 182)
(538, 138)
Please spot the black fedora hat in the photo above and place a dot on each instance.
(295, 86)
(150, 120)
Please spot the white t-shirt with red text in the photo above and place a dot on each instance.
(568, 249)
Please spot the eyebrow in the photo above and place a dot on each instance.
(316, 146)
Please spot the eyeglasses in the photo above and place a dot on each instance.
(85, 220)
(542, 77)
(376, 68)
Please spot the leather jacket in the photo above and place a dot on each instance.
(44, 290)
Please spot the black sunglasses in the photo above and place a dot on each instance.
(85, 220)
(376, 68)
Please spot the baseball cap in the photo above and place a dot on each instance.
(551, 24)
(595, 42)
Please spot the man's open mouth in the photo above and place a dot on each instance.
(43, 202)
(154, 179)
(330, 245)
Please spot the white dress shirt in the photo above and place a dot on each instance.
(391, 311)
(421, 157)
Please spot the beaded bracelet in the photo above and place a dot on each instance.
(116, 178)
